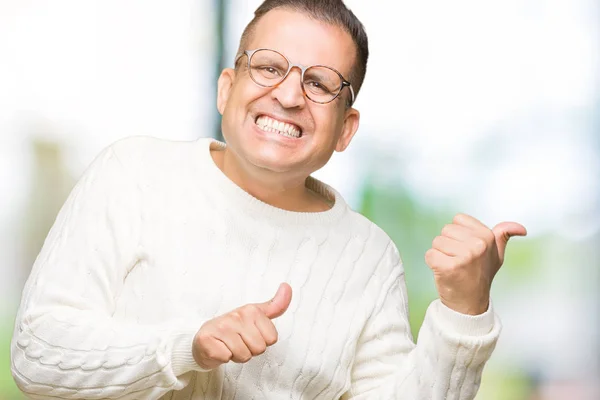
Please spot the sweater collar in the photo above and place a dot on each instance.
(243, 201)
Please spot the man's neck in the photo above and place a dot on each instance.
(291, 194)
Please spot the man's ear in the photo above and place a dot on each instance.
(224, 86)
(351, 122)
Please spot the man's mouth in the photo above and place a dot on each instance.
(269, 124)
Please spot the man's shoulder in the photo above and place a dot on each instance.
(151, 152)
(363, 228)
(368, 244)
(351, 222)
(140, 145)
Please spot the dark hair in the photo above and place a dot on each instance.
(333, 12)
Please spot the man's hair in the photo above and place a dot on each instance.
(333, 12)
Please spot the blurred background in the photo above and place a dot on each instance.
(486, 107)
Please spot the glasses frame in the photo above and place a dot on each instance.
(302, 68)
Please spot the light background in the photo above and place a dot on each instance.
(485, 107)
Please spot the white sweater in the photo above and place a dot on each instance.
(155, 240)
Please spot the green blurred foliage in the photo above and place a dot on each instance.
(8, 388)
(505, 384)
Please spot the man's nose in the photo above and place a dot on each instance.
(289, 92)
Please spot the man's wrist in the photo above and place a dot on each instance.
(472, 308)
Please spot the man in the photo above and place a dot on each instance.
(152, 282)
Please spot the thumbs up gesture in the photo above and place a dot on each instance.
(240, 334)
(465, 258)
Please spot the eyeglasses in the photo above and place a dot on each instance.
(320, 84)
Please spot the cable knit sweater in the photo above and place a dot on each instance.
(154, 240)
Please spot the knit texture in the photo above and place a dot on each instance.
(155, 240)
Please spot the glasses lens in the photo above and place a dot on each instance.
(267, 67)
(322, 84)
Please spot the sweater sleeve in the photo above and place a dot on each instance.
(445, 363)
(66, 343)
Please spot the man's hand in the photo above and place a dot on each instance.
(465, 259)
(240, 334)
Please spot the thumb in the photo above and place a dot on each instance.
(279, 304)
(504, 231)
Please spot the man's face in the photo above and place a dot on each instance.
(324, 127)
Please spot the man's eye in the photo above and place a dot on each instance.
(317, 86)
(271, 70)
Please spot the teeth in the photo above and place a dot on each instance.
(268, 124)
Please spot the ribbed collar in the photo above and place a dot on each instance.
(243, 201)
